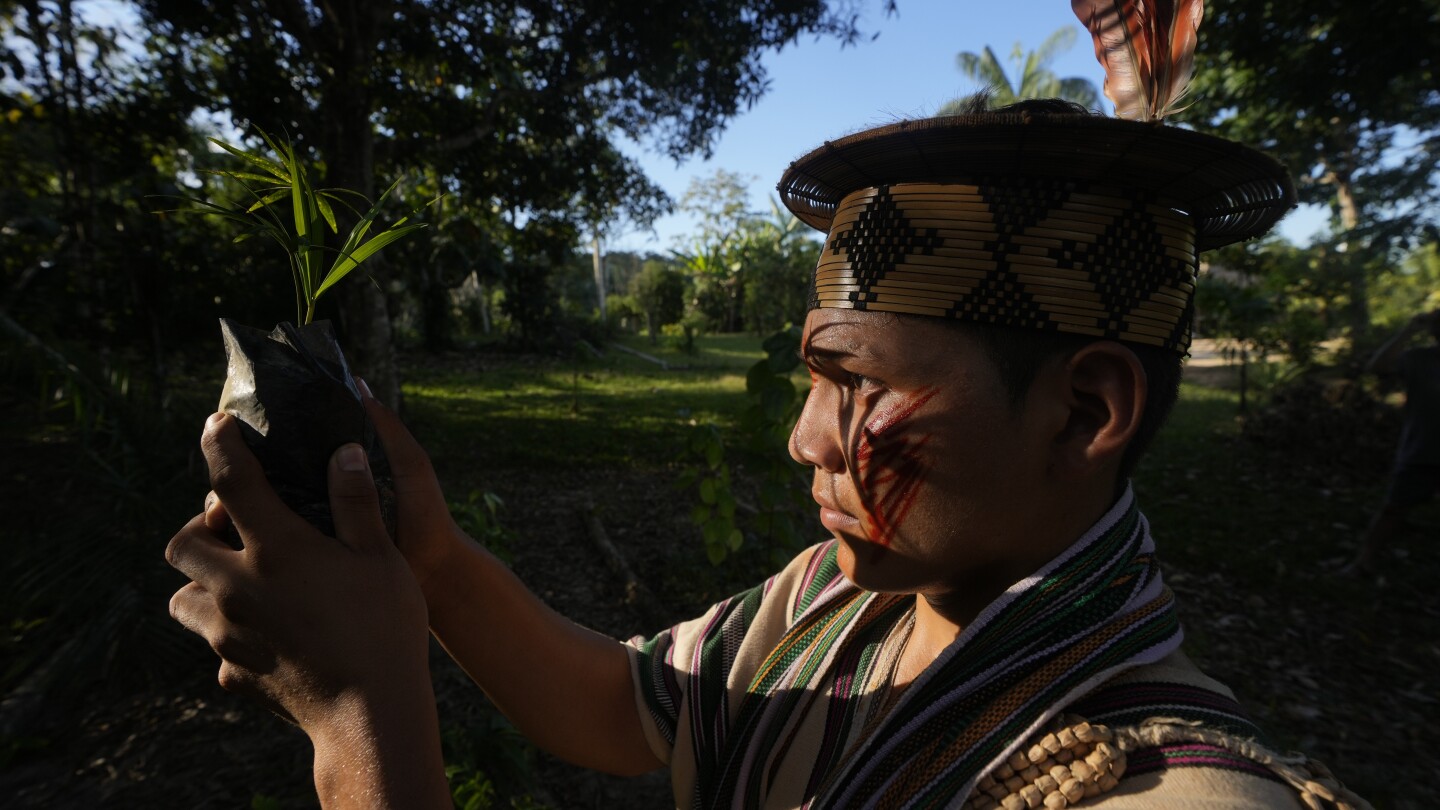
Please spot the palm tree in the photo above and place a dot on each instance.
(1036, 80)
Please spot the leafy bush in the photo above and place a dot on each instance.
(479, 517)
(86, 581)
(776, 522)
(682, 335)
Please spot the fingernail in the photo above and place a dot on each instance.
(364, 389)
(214, 418)
(351, 458)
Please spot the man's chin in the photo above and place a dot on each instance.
(870, 565)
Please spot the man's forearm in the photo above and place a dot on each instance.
(382, 755)
(567, 688)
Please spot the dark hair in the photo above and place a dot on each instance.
(1019, 353)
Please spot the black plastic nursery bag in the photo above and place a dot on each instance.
(297, 402)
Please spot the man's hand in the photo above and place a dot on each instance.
(425, 531)
(328, 632)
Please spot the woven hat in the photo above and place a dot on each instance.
(1046, 220)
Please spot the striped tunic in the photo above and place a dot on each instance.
(780, 696)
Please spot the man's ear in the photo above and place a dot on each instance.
(1103, 389)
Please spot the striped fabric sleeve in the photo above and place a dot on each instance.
(689, 677)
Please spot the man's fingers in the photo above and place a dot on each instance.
(217, 519)
(409, 464)
(238, 481)
(218, 617)
(194, 608)
(197, 552)
(353, 503)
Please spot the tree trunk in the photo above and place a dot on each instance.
(366, 324)
(484, 306)
(348, 143)
(1355, 264)
(599, 277)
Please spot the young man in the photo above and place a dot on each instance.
(996, 328)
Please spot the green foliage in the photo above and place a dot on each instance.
(1413, 288)
(83, 565)
(682, 334)
(479, 517)
(779, 257)
(1346, 99)
(302, 237)
(760, 451)
(659, 293)
(489, 764)
(1267, 298)
(1033, 79)
(521, 102)
(746, 270)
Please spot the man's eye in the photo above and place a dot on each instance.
(860, 382)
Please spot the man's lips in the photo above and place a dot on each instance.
(836, 520)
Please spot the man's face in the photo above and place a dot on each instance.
(923, 470)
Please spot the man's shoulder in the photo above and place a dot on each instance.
(1162, 735)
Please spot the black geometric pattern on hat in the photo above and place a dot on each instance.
(881, 238)
(1000, 298)
(1122, 287)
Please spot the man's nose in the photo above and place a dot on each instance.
(815, 441)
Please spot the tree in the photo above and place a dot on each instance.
(715, 258)
(1345, 95)
(660, 293)
(780, 254)
(517, 100)
(1034, 79)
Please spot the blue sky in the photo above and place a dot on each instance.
(819, 91)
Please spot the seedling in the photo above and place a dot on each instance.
(270, 183)
(291, 389)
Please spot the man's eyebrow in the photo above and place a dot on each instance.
(812, 354)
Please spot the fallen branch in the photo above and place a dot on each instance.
(637, 595)
(643, 356)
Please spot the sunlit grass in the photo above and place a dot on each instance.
(544, 413)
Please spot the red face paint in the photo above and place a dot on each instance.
(889, 470)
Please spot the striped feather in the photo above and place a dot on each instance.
(1147, 48)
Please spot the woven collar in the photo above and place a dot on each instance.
(1097, 609)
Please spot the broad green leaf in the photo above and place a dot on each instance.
(707, 491)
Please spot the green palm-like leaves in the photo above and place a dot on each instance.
(302, 235)
(1034, 80)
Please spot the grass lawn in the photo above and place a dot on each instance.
(496, 412)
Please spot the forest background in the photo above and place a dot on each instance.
(659, 363)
